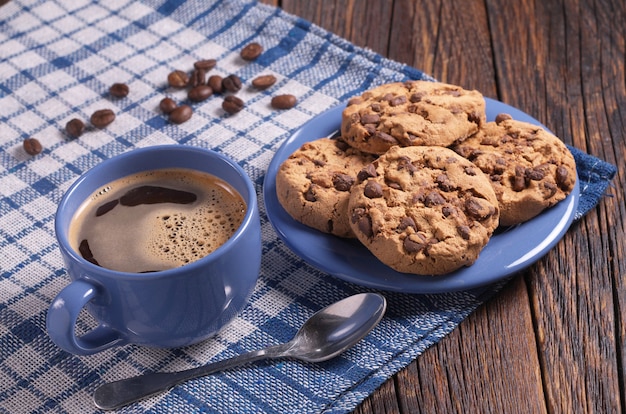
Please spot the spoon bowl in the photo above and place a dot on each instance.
(326, 334)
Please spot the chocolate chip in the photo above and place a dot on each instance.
(355, 101)
(464, 232)
(263, 81)
(474, 117)
(370, 118)
(373, 189)
(398, 100)
(178, 79)
(75, 128)
(404, 163)
(167, 105)
(205, 64)
(119, 90)
(200, 93)
(444, 182)
(251, 51)
(478, 209)
(414, 243)
(102, 117)
(376, 107)
(502, 117)
(385, 138)
(561, 176)
(550, 187)
(341, 144)
(285, 101)
(363, 221)
(535, 174)
(231, 83)
(448, 211)
(407, 222)
(32, 146)
(181, 114)
(519, 181)
(416, 97)
(433, 198)
(366, 172)
(232, 104)
(343, 182)
(309, 194)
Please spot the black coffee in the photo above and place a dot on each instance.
(156, 220)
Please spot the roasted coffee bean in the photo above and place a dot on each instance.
(231, 83)
(178, 79)
(167, 105)
(75, 128)
(119, 90)
(181, 114)
(198, 77)
(200, 93)
(285, 101)
(251, 51)
(206, 64)
(215, 82)
(32, 146)
(102, 118)
(232, 104)
(263, 81)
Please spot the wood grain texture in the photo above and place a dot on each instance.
(554, 339)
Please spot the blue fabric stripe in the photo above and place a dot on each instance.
(286, 44)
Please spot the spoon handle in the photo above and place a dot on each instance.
(113, 395)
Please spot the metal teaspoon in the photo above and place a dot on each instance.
(326, 334)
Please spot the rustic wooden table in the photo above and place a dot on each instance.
(554, 339)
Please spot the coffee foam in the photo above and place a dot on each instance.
(152, 237)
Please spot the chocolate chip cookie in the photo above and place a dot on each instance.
(313, 184)
(412, 113)
(530, 169)
(423, 210)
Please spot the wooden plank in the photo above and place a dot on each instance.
(363, 26)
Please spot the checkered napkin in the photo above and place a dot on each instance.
(57, 61)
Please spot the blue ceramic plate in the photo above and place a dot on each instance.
(509, 250)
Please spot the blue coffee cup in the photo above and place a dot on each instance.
(165, 309)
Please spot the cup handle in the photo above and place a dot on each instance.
(62, 316)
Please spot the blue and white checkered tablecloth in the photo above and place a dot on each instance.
(57, 61)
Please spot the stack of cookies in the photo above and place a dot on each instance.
(421, 178)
